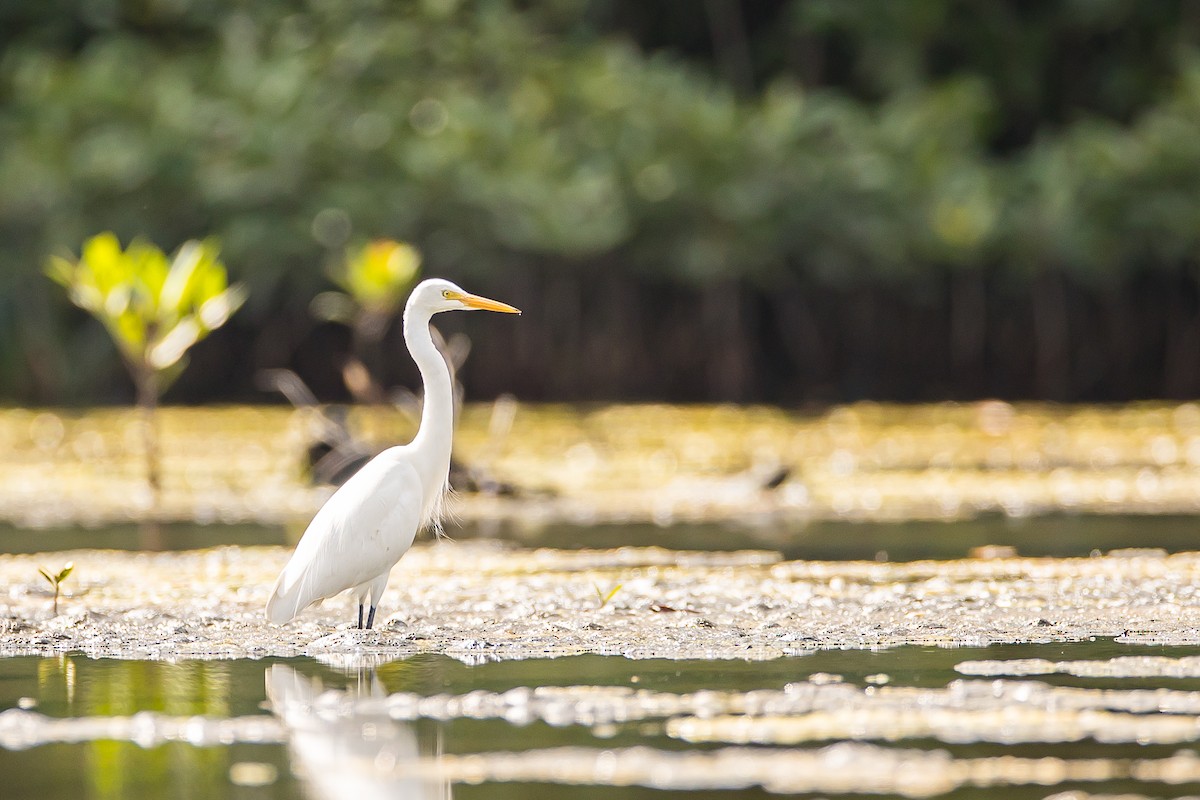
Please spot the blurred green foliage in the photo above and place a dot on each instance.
(834, 143)
(379, 275)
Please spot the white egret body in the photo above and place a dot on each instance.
(370, 522)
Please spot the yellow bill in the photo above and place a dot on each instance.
(484, 304)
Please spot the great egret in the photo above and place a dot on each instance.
(370, 522)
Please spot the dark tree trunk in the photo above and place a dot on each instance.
(1051, 338)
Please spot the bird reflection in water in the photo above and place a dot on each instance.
(341, 752)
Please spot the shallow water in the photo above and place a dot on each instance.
(1056, 535)
(299, 726)
(174, 536)
(976, 722)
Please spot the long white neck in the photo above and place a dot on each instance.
(435, 437)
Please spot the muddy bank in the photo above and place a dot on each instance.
(540, 465)
(476, 601)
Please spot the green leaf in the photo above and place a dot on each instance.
(129, 331)
(196, 276)
(216, 311)
(60, 270)
(171, 347)
(211, 279)
(66, 570)
(378, 274)
(155, 309)
(177, 287)
(614, 590)
(604, 598)
(146, 270)
(117, 300)
(101, 263)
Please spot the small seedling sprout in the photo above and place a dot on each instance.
(604, 598)
(57, 580)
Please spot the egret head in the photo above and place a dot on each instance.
(436, 295)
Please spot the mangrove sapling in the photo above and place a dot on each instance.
(374, 279)
(154, 309)
(56, 580)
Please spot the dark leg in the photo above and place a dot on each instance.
(360, 615)
(371, 618)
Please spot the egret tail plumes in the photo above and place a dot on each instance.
(370, 521)
(284, 604)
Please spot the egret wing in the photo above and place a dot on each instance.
(359, 534)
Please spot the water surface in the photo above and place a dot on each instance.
(73, 686)
(1057, 535)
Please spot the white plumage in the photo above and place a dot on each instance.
(370, 522)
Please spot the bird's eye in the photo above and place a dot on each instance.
(446, 293)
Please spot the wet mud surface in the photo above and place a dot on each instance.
(480, 601)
